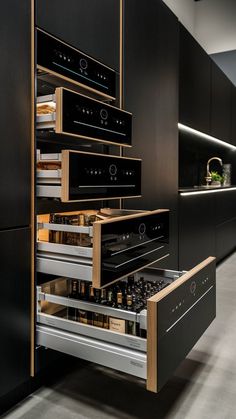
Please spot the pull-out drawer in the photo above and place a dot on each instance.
(78, 176)
(110, 249)
(74, 114)
(57, 61)
(176, 317)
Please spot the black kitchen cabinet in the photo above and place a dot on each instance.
(225, 221)
(151, 94)
(196, 229)
(15, 113)
(207, 226)
(221, 105)
(15, 260)
(233, 114)
(91, 26)
(194, 83)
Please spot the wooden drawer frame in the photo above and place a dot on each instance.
(60, 179)
(54, 121)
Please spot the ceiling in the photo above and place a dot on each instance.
(211, 22)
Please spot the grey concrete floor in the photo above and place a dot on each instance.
(204, 387)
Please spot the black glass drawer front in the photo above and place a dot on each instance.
(53, 54)
(93, 119)
(129, 245)
(94, 176)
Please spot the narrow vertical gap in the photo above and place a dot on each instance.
(32, 337)
(121, 72)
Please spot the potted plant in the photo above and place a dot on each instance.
(216, 179)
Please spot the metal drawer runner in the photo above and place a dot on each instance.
(109, 355)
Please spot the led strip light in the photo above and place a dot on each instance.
(185, 128)
(229, 189)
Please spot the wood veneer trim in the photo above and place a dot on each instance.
(33, 100)
(152, 347)
(59, 113)
(97, 244)
(100, 154)
(69, 134)
(65, 178)
(190, 274)
(72, 81)
(131, 216)
(102, 199)
(94, 100)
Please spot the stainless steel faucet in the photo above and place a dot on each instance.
(208, 176)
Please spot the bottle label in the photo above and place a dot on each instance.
(117, 325)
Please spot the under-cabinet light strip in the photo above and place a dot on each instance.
(185, 128)
(207, 192)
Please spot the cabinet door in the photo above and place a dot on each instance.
(221, 105)
(91, 26)
(233, 114)
(15, 308)
(194, 83)
(151, 94)
(177, 318)
(15, 113)
(196, 229)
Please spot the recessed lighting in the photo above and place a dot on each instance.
(207, 192)
(185, 128)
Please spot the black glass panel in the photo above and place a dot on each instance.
(64, 60)
(94, 176)
(131, 244)
(93, 119)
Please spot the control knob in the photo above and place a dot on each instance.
(193, 287)
(103, 114)
(83, 63)
(142, 229)
(112, 169)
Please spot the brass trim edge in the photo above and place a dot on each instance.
(32, 326)
(76, 83)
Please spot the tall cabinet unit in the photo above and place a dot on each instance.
(151, 92)
(106, 287)
(102, 293)
(194, 83)
(15, 190)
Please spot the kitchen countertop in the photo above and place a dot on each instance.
(200, 188)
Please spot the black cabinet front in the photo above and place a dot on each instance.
(130, 244)
(92, 26)
(221, 105)
(15, 305)
(233, 114)
(93, 119)
(15, 114)
(194, 84)
(94, 176)
(61, 59)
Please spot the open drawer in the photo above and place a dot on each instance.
(73, 114)
(149, 343)
(105, 251)
(76, 176)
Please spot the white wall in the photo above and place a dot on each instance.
(215, 25)
(211, 22)
(185, 11)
